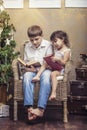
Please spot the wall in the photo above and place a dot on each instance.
(71, 20)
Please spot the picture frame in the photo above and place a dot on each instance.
(13, 3)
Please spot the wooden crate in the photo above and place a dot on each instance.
(3, 94)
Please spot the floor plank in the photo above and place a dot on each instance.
(76, 122)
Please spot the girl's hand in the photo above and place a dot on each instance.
(54, 59)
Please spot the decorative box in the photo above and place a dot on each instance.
(4, 110)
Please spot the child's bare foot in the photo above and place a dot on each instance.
(36, 79)
(52, 96)
(36, 113)
(29, 110)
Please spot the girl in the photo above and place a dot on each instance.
(62, 54)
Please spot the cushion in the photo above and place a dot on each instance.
(60, 77)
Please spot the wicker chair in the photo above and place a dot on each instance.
(61, 89)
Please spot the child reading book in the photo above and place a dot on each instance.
(36, 48)
(53, 65)
(30, 63)
(61, 56)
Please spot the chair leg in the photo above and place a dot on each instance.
(15, 110)
(65, 112)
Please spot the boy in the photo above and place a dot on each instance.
(36, 49)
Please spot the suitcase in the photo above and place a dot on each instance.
(81, 74)
(77, 105)
(78, 88)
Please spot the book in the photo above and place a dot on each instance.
(52, 64)
(30, 63)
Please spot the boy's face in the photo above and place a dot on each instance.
(36, 41)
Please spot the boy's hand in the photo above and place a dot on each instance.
(30, 69)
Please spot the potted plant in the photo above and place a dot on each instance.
(7, 49)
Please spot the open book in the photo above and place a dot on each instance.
(53, 65)
(30, 63)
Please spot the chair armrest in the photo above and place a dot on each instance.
(67, 71)
(15, 69)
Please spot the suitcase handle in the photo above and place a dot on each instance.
(85, 107)
(81, 86)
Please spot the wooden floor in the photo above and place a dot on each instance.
(76, 122)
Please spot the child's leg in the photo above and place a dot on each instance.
(37, 77)
(54, 75)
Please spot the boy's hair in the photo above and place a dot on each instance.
(34, 31)
(61, 35)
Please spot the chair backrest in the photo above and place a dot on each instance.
(22, 49)
(16, 67)
(20, 67)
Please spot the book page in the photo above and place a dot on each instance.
(28, 64)
(21, 61)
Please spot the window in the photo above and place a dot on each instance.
(13, 3)
(44, 3)
(75, 3)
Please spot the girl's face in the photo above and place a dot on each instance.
(58, 43)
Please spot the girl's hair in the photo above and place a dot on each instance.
(61, 35)
(34, 31)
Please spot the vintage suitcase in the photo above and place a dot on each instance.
(78, 88)
(52, 112)
(81, 73)
(77, 105)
